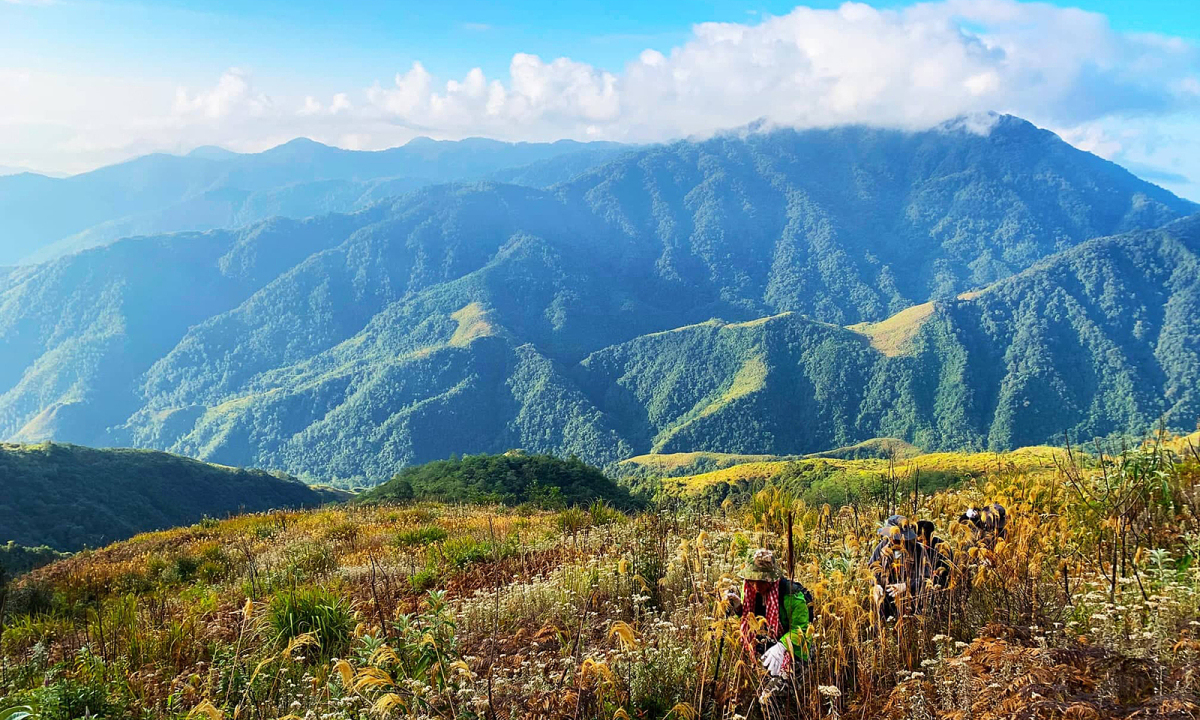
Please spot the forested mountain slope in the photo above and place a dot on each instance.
(69, 497)
(579, 319)
(1100, 339)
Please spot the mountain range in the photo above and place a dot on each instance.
(776, 292)
(47, 217)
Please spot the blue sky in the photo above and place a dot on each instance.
(86, 82)
(332, 41)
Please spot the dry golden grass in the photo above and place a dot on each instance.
(1088, 608)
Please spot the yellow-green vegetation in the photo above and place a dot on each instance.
(894, 337)
(886, 448)
(473, 322)
(698, 463)
(674, 463)
(1184, 443)
(750, 378)
(947, 466)
(1088, 608)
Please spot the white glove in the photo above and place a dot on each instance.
(774, 658)
(897, 590)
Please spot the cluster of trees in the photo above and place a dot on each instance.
(512, 478)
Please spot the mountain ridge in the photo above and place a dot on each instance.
(347, 332)
(160, 192)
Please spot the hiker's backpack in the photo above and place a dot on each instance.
(808, 599)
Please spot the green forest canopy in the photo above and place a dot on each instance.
(511, 478)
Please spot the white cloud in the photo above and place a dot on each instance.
(232, 95)
(911, 67)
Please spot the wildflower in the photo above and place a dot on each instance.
(829, 691)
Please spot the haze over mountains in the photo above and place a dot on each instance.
(47, 217)
(775, 292)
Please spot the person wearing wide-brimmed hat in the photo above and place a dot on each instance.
(767, 594)
(894, 564)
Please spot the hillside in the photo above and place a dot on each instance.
(685, 298)
(477, 612)
(662, 465)
(659, 465)
(211, 188)
(839, 481)
(69, 497)
(881, 448)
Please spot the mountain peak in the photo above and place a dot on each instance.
(212, 152)
(298, 146)
(981, 123)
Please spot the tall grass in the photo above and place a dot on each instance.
(1090, 607)
(315, 611)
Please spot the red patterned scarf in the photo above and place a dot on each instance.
(771, 602)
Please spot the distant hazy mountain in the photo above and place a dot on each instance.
(578, 319)
(212, 187)
(9, 170)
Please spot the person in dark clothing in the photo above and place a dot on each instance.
(934, 557)
(988, 524)
(894, 564)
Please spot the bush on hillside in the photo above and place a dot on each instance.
(511, 479)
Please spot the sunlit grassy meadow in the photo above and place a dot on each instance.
(1090, 608)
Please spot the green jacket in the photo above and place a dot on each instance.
(793, 617)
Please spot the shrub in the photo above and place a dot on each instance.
(424, 579)
(182, 569)
(310, 559)
(346, 532)
(420, 536)
(459, 552)
(572, 520)
(603, 514)
(68, 699)
(329, 617)
(462, 551)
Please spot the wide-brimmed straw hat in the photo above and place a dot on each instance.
(896, 527)
(762, 567)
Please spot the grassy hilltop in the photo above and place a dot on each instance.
(1090, 608)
